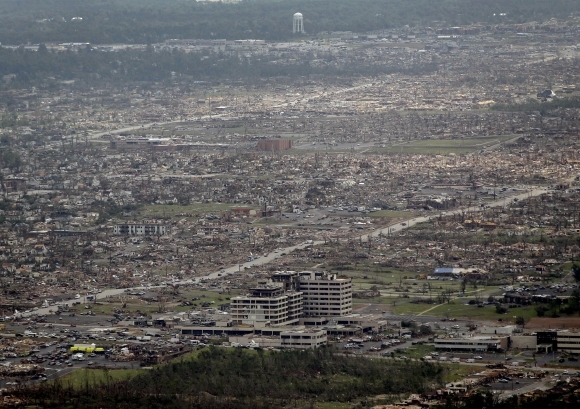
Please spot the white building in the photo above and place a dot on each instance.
(324, 294)
(131, 229)
(505, 330)
(480, 344)
(308, 338)
(267, 304)
(524, 342)
(286, 338)
(569, 342)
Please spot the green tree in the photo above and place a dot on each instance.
(576, 271)
(541, 310)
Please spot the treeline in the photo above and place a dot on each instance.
(542, 107)
(9, 121)
(150, 21)
(10, 159)
(96, 67)
(556, 308)
(239, 378)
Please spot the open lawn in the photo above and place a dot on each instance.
(210, 297)
(458, 309)
(190, 356)
(82, 377)
(197, 297)
(394, 282)
(393, 214)
(171, 211)
(458, 372)
(417, 351)
(107, 309)
(443, 146)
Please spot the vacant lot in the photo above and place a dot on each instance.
(458, 309)
(562, 322)
(94, 377)
(171, 211)
(443, 146)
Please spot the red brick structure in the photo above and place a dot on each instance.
(275, 145)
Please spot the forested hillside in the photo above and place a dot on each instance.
(240, 378)
(43, 67)
(150, 21)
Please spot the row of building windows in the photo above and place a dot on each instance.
(323, 309)
(327, 298)
(302, 336)
(464, 343)
(265, 307)
(261, 301)
(320, 292)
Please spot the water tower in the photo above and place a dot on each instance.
(298, 23)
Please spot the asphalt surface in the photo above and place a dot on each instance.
(398, 227)
(274, 255)
(57, 367)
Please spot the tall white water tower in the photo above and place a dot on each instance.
(298, 23)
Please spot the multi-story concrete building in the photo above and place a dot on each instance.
(284, 338)
(308, 338)
(569, 342)
(138, 143)
(477, 344)
(324, 294)
(267, 304)
(133, 229)
(292, 295)
(263, 316)
(275, 145)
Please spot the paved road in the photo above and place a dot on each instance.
(524, 389)
(149, 125)
(397, 227)
(394, 228)
(495, 145)
(227, 271)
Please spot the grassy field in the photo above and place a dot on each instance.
(81, 377)
(417, 351)
(107, 308)
(211, 297)
(442, 146)
(458, 309)
(195, 296)
(393, 214)
(394, 281)
(458, 372)
(190, 356)
(196, 208)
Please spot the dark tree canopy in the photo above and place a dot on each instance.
(150, 21)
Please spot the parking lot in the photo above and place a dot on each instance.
(56, 361)
(513, 384)
(387, 345)
(42, 352)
